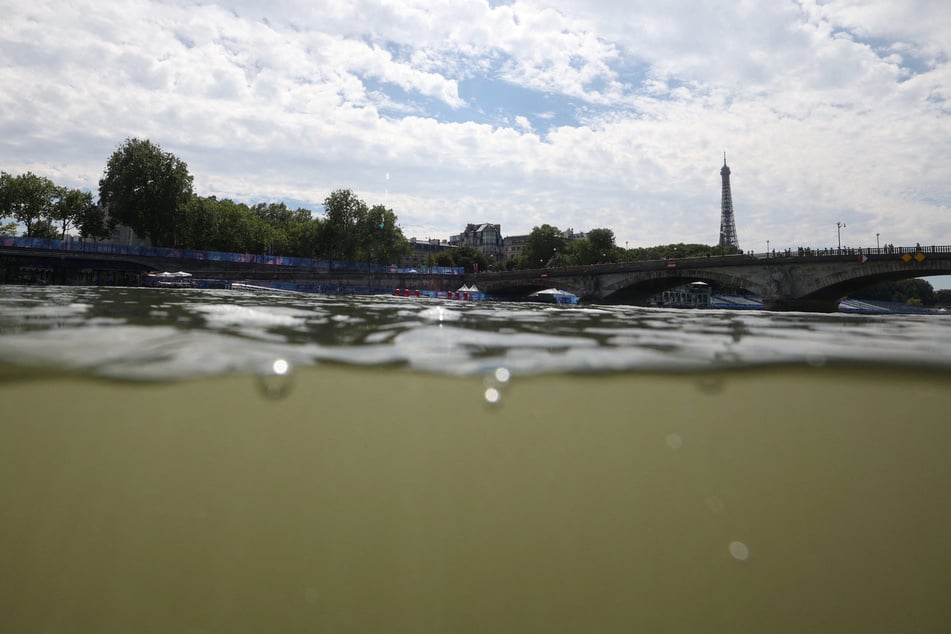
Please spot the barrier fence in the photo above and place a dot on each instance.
(75, 246)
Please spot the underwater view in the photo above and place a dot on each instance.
(187, 460)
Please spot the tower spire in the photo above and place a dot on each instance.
(727, 226)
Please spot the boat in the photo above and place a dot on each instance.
(553, 296)
(167, 279)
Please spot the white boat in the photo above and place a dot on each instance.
(166, 279)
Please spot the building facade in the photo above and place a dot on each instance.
(486, 238)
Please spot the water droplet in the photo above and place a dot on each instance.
(275, 379)
(492, 396)
(739, 551)
(674, 441)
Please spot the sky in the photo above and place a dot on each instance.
(579, 114)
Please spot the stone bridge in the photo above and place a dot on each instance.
(810, 282)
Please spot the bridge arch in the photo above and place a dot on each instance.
(638, 289)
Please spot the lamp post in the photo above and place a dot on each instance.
(767, 248)
(840, 226)
(878, 246)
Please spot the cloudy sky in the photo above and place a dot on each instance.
(580, 114)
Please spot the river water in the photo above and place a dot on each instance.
(224, 461)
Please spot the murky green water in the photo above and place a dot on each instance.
(633, 470)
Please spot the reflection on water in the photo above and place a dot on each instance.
(296, 463)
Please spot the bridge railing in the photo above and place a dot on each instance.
(100, 248)
(869, 251)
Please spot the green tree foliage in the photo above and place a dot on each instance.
(597, 247)
(44, 228)
(94, 223)
(72, 207)
(466, 257)
(148, 190)
(914, 291)
(282, 226)
(942, 297)
(354, 232)
(28, 199)
(443, 258)
(223, 225)
(679, 250)
(380, 238)
(542, 245)
(343, 214)
(305, 239)
(8, 229)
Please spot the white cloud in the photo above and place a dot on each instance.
(828, 111)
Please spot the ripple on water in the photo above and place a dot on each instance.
(151, 334)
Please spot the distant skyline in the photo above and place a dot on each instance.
(576, 114)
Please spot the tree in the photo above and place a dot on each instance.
(466, 257)
(380, 239)
(443, 258)
(28, 199)
(148, 190)
(72, 206)
(43, 228)
(902, 291)
(95, 224)
(305, 238)
(679, 250)
(339, 239)
(596, 248)
(542, 245)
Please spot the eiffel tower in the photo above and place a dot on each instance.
(727, 226)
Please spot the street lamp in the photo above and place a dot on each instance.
(840, 226)
(877, 245)
(767, 248)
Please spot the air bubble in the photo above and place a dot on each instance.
(711, 383)
(715, 504)
(502, 375)
(739, 551)
(498, 378)
(275, 379)
(674, 441)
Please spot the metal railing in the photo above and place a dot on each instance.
(100, 248)
(867, 251)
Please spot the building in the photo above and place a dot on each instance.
(486, 238)
(420, 250)
(512, 246)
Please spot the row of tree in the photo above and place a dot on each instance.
(547, 246)
(45, 209)
(150, 191)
